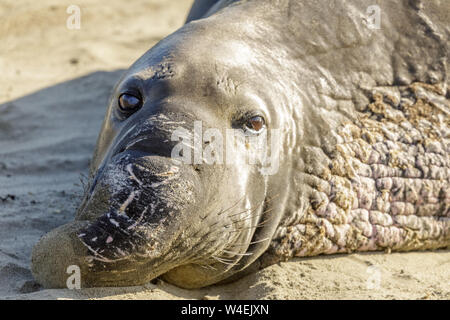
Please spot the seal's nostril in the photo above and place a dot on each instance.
(148, 145)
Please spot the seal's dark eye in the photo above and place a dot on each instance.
(129, 103)
(255, 123)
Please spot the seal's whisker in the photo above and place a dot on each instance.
(259, 225)
(254, 216)
(244, 211)
(223, 211)
(241, 212)
(276, 195)
(224, 261)
(237, 253)
(208, 267)
(256, 207)
(262, 223)
(249, 216)
(250, 243)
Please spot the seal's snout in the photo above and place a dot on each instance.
(133, 219)
(61, 260)
(152, 136)
(56, 252)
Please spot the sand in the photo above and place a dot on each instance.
(54, 87)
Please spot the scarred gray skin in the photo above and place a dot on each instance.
(364, 161)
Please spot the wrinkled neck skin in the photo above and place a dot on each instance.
(196, 224)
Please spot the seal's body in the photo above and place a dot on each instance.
(364, 158)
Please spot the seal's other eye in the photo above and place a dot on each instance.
(255, 123)
(129, 103)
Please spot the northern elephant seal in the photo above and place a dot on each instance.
(362, 106)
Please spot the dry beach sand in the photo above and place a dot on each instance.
(54, 87)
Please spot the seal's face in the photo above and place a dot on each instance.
(148, 213)
(192, 221)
